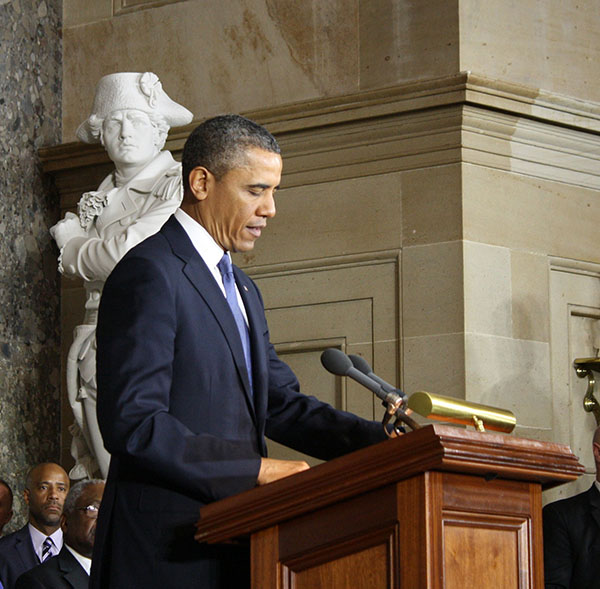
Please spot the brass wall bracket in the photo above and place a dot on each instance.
(585, 368)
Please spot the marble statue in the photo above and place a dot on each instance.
(131, 117)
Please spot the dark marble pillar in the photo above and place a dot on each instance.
(30, 118)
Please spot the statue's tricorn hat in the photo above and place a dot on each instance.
(132, 90)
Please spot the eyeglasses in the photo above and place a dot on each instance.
(90, 510)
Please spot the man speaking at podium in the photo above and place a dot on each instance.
(189, 384)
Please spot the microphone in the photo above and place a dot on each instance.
(336, 362)
(361, 364)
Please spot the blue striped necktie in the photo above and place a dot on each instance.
(226, 270)
(47, 549)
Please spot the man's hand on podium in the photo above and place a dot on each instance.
(272, 469)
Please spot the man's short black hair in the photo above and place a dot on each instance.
(219, 145)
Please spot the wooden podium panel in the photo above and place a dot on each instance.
(438, 508)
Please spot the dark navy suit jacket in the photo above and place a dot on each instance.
(16, 556)
(572, 542)
(60, 572)
(178, 416)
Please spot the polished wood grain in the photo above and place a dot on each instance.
(492, 548)
(434, 447)
(440, 508)
(366, 569)
(264, 555)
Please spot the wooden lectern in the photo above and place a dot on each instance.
(440, 507)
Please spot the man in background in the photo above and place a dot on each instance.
(6, 501)
(572, 536)
(41, 538)
(71, 568)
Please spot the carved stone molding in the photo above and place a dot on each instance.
(127, 6)
(462, 118)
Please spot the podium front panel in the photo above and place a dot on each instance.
(435, 530)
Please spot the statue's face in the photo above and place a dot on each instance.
(129, 137)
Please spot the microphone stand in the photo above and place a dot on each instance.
(395, 409)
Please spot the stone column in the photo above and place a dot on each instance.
(30, 117)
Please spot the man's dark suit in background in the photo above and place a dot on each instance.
(572, 537)
(69, 570)
(46, 488)
(61, 572)
(16, 556)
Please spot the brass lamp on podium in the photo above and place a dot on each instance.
(451, 410)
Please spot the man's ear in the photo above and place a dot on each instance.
(63, 523)
(199, 180)
(26, 496)
(597, 452)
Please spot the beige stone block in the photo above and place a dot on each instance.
(511, 374)
(550, 45)
(386, 360)
(402, 40)
(431, 205)
(339, 321)
(351, 307)
(487, 288)
(83, 12)
(322, 37)
(436, 364)
(301, 333)
(432, 289)
(530, 303)
(216, 57)
(374, 284)
(333, 219)
(524, 213)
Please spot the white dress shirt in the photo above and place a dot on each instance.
(37, 539)
(210, 251)
(84, 561)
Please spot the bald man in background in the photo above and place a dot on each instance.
(71, 568)
(41, 538)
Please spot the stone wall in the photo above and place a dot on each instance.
(441, 190)
(242, 55)
(30, 117)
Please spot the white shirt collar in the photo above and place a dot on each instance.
(84, 561)
(210, 251)
(202, 240)
(37, 539)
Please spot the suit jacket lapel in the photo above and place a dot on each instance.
(24, 548)
(71, 570)
(201, 278)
